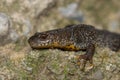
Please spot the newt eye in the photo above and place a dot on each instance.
(43, 36)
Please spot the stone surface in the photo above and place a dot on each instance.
(7, 33)
(72, 12)
(98, 75)
(5, 24)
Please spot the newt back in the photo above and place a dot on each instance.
(75, 37)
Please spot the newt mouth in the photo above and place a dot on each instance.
(35, 43)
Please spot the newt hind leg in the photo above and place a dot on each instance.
(87, 57)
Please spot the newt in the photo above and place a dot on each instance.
(76, 38)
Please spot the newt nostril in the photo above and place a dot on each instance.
(30, 41)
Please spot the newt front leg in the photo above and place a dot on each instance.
(83, 59)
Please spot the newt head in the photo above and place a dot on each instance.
(42, 40)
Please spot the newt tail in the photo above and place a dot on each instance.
(76, 38)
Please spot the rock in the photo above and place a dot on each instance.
(27, 28)
(13, 36)
(28, 13)
(9, 2)
(2, 77)
(7, 33)
(71, 12)
(98, 75)
(114, 26)
(36, 7)
(5, 24)
(111, 67)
